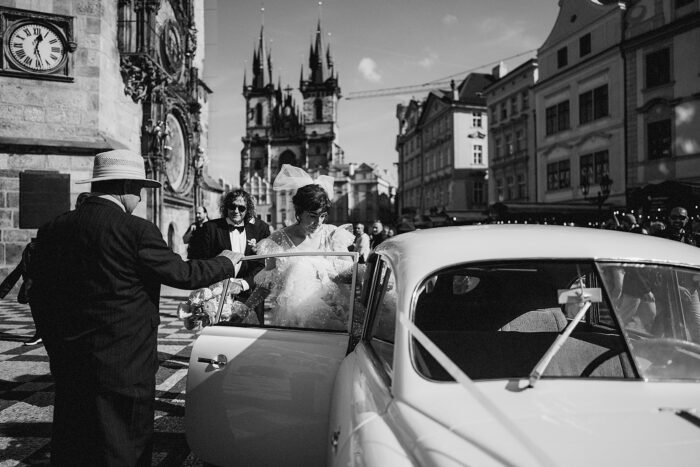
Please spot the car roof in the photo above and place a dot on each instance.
(416, 254)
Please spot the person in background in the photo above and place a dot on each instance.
(629, 224)
(200, 217)
(378, 235)
(676, 227)
(361, 243)
(239, 230)
(97, 273)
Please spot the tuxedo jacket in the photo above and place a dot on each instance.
(97, 276)
(213, 237)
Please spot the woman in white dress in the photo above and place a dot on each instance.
(305, 291)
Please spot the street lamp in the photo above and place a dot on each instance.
(605, 183)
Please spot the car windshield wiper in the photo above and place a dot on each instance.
(581, 296)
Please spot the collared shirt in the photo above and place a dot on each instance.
(238, 243)
(114, 200)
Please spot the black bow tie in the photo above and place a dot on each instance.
(240, 228)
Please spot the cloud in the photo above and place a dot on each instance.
(368, 68)
(449, 20)
(429, 60)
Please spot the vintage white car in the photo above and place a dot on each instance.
(479, 345)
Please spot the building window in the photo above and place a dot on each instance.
(494, 114)
(476, 120)
(584, 45)
(659, 139)
(558, 175)
(525, 100)
(504, 111)
(510, 188)
(499, 149)
(521, 187)
(519, 140)
(658, 67)
(318, 110)
(593, 167)
(478, 154)
(509, 145)
(593, 104)
(562, 57)
(499, 189)
(514, 105)
(478, 192)
(259, 114)
(557, 117)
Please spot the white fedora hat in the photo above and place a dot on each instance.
(120, 164)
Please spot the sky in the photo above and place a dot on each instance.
(375, 44)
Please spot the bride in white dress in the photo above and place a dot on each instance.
(306, 291)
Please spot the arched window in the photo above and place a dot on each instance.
(318, 109)
(259, 114)
(288, 157)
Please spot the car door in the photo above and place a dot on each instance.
(260, 394)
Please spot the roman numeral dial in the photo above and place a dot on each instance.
(37, 47)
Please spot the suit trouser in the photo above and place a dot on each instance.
(98, 425)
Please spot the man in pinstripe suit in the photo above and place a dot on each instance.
(98, 272)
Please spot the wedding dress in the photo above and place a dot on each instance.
(308, 291)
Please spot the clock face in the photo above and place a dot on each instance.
(36, 47)
(171, 47)
(176, 162)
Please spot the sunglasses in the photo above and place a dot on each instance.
(678, 218)
(236, 207)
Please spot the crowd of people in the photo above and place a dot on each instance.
(96, 273)
(678, 226)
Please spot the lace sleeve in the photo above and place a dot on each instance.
(342, 237)
(268, 276)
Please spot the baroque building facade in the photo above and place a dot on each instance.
(118, 74)
(443, 153)
(579, 107)
(512, 168)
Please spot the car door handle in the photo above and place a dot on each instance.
(219, 360)
(334, 440)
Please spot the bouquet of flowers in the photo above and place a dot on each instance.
(200, 309)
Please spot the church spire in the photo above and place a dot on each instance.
(261, 59)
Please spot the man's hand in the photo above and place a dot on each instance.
(235, 257)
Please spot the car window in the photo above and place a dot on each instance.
(383, 317)
(497, 320)
(658, 307)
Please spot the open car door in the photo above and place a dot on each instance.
(259, 394)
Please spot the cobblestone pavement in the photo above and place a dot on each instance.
(26, 390)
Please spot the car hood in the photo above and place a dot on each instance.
(570, 423)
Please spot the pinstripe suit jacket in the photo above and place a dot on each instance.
(98, 272)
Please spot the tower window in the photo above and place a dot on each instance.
(259, 114)
(318, 110)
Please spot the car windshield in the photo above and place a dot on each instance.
(496, 320)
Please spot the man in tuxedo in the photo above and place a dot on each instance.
(97, 273)
(238, 230)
